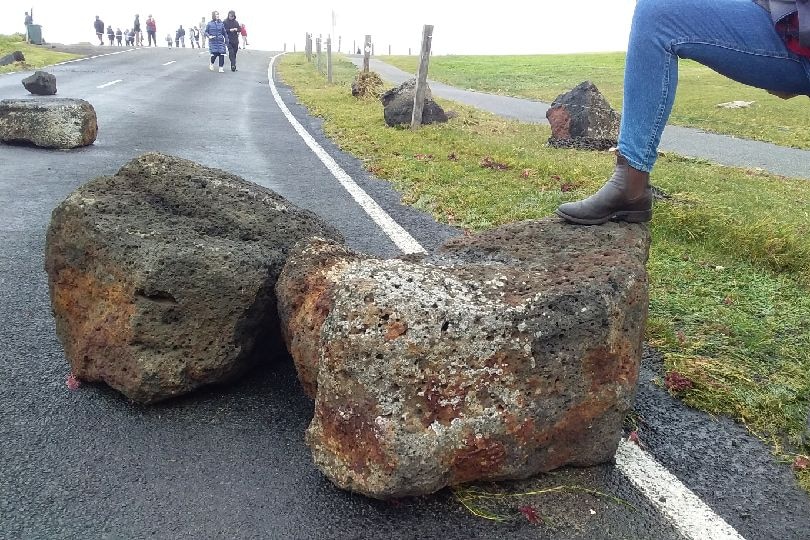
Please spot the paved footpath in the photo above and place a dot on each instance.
(721, 149)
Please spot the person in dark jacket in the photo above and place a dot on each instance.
(232, 31)
(180, 37)
(111, 35)
(215, 31)
(136, 27)
(99, 26)
(119, 35)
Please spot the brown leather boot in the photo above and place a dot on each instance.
(625, 197)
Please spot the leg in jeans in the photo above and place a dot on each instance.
(734, 37)
(221, 59)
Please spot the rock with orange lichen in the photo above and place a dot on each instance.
(505, 354)
(162, 277)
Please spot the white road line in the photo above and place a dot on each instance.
(170, 62)
(401, 238)
(105, 85)
(91, 57)
(691, 517)
(684, 510)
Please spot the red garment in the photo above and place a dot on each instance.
(789, 28)
(243, 30)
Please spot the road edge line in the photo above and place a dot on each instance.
(690, 516)
(401, 238)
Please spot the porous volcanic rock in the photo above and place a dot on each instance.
(48, 122)
(507, 353)
(398, 103)
(162, 276)
(582, 118)
(16, 56)
(40, 83)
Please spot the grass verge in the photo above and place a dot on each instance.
(35, 56)
(730, 261)
(700, 90)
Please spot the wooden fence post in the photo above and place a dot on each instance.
(329, 59)
(389, 49)
(366, 53)
(318, 53)
(421, 77)
(308, 48)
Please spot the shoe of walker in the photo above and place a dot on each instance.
(626, 196)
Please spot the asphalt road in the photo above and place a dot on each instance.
(231, 462)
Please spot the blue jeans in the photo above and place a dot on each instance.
(733, 37)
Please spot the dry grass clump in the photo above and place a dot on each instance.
(367, 85)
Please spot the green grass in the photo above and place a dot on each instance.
(35, 56)
(545, 77)
(730, 260)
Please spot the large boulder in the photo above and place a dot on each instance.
(16, 56)
(582, 118)
(40, 83)
(162, 276)
(398, 103)
(48, 122)
(507, 353)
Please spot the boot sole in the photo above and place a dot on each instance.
(640, 216)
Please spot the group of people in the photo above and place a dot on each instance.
(134, 37)
(222, 37)
(130, 37)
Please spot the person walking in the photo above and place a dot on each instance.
(98, 24)
(110, 35)
(136, 27)
(180, 37)
(737, 38)
(119, 35)
(243, 33)
(232, 31)
(169, 40)
(215, 31)
(203, 24)
(151, 31)
(194, 37)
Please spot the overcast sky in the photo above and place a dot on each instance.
(506, 27)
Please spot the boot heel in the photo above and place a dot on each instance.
(637, 216)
